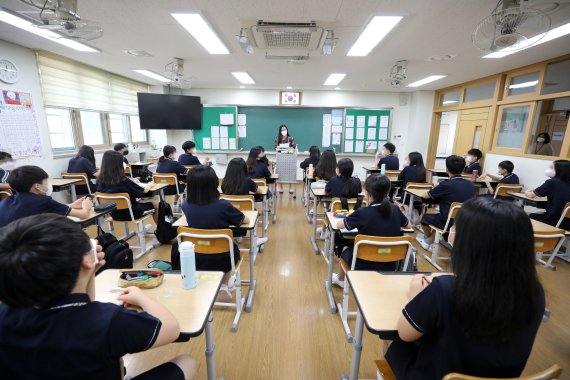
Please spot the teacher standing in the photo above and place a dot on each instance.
(283, 137)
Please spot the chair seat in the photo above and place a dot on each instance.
(432, 211)
(437, 229)
(384, 368)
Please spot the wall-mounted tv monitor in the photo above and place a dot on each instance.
(162, 111)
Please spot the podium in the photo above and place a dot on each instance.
(286, 167)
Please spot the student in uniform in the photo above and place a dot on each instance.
(124, 150)
(388, 158)
(455, 189)
(326, 168)
(167, 164)
(344, 184)
(414, 169)
(84, 162)
(256, 165)
(557, 190)
(264, 156)
(33, 197)
(236, 180)
(6, 165)
(189, 155)
(483, 319)
(51, 327)
(504, 175)
(380, 218)
(112, 179)
(205, 210)
(314, 156)
(472, 158)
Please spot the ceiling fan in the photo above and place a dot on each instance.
(511, 26)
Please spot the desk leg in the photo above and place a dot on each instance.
(308, 201)
(161, 194)
(314, 237)
(411, 208)
(265, 217)
(356, 346)
(74, 192)
(328, 281)
(252, 257)
(274, 211)
(210, 349)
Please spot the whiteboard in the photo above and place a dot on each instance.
(19, 131)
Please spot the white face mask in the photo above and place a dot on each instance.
(407, 163)
(550, 173)
(540, 139)
(193, 151)
(9, 165)
(49, 190)
(499, 173)
(469, 159)
(283, 133)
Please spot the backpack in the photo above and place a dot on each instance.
(164, 230)
(118, 255)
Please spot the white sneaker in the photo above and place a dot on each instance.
(425, 245)
(148, 229)
(336, 281)
(232, 284)
(239, 239)
(261, 240)
(291, 192)
(224, 295)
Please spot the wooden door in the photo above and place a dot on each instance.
(471, 130)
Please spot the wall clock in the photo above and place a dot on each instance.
(8, 71)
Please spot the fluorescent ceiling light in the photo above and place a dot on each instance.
(431, 78)
(532, 83)
(334, 79)
(533, 41)
(243, 77)
(448, 102)
(28, 26)
(195, 24)
(152, 75)
(374, 32)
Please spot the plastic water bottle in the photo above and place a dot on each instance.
(310, 171)
(187, 265)
(474, 175)
(383, 169)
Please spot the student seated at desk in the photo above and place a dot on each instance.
(388, 158)
(84, 162)
(380, 218)
(504, 175)
(6, 164)
(124, 150)
(414, 169)
(189, 155)
(205, 210)
(344, 184)
(472, 158)
(314, 156)
(557, 190)
(33, 197)
(167, 164)
(51, 327)
(264, 158)
(326, 168)
(112, 179)
(481, 321)
(256, 164)
(455, 189)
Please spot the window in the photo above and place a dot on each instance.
(523, 84)
(550, 124)
(479, 92)
(556, 78)
(450, 98)
(137, 133)
(92, 128)
(118, 128)
(60, 129)
(514, 123)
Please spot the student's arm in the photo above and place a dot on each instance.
(245, 220)
(542, 190)
(404, 222)
(83, 211)
(489, 187)
(412, 331)
(4, 186)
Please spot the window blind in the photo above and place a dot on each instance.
(70, 84)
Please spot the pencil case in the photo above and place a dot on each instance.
(141, 278)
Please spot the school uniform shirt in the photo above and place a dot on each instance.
(336, 184)
(445, 347)
(558, 193)
(188, 159)
(510, 179)
(455, 189)
(4, 176)
(473, 166)
(260, 170)
(24, 204)
(135, 191)
(72, 338)
(82, 165)
(167, 165)
(391, 161)
(410, 174)
(307, 162)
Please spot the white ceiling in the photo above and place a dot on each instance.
(428, 28)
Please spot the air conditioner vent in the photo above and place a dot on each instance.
(284, 35)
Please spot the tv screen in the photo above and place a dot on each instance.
(162, 111)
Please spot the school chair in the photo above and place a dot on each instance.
(123, 202)
(336, 205)
(455, 207)
(82, 176)
(128, 171)
(270, 204)
(212, 242)
(392, 173)
(503, 190)
(242, 203)
(547, 242)
(168, 179)
(383, 370)
(377, 249)
(5, 194)
(551, 373)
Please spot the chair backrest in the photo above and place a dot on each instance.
(5, 194)
(82, 176)
(336, 203)
(551, 373)
(128, 171)
(122, 200)
(544, 242)
(565, 214)
(207, 242)
(381, 249)
(419, 185)
(504, 189)
(166, 178)
(453, 210)
(260, 181)
(392, 173)
(241, 202)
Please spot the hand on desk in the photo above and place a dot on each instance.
(148, 186)
(419, 282)
(132, 296)
(82, 203)
(530, 194)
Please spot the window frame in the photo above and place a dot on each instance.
(514, 151)
(527, 95)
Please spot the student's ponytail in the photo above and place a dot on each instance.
(385, 208)
(378, 188)
(349, 189)
(345, 169)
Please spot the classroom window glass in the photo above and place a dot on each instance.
(556, 78)
(118, 128)
(550, 123)
(450, 98)
(137, 133)
(513, 127)
(60, 129)
(92, 128)
(523, 84)
(479, 92)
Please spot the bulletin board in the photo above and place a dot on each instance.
(219, 129)
(19, 131)
(366, 129)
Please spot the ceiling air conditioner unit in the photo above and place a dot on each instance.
(304, 36)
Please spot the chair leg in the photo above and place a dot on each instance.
(344, 310)
(554, 253)
(435, 253)
(239, 302)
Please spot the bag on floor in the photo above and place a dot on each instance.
(118, 254)
(164, 231)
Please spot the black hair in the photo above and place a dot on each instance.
(23, 178)
(391, 147)
(417, 160)
(86, 152)
(562, 169)
(496, 289)
(40, 259)
(378, 188)
(314, 153)
(202, 185)
(279, 137)
(261, 148)
(252, 159)
(112, 171)
(326, 168)
(188, 145)
(345, 169)
(507, 165)
(234, 180)
(119, 146)
(167, 151)
(475, 152)
(455, 164)
(546, 137)
(5, 155)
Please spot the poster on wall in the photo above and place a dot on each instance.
(19, 132)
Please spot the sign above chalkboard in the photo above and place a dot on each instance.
(289, 98)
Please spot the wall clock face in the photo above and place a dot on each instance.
(8, 71)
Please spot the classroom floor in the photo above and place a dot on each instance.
(290, 333)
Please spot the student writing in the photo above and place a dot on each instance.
(84, 162)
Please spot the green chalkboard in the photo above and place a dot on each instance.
(211, 118)
(377, 123)
(305, 125)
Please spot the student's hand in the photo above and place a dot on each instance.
(131, 296)
(149, 185)
(419, 282)
(101, 257)
(77, 203)
(530, 194)
(482, 177)
(86, 203)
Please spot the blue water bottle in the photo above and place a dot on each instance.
(383, 169)
(187, 265)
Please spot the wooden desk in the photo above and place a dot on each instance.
(532, 201)
(371, 169)
(437, 173)
(543, 228)
(192, 308)
(95, 218)
(252, 216)
(414, 193)
(60, 184)
(158, 188)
